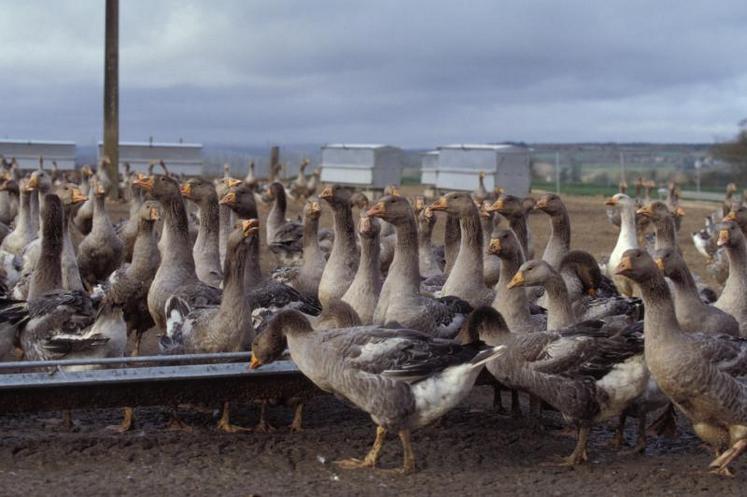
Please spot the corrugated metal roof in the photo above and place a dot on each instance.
(477, 146)
(157, 144)
(355, 145)
(35, 142)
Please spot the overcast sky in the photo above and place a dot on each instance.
(411, 73)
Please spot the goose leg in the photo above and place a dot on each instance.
(371, 458)
(408, 465)
(176, 424)
(224, 424)
(720, 465)
(515, 406)
(497, 399)
(579, 456)
(128, 421)
(619, 439)
(640, 445)
(295, 426)
(263, 426)
(666, 424)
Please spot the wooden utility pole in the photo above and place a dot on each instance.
(111, 95)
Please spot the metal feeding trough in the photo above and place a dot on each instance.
(149, 381)
(145, 381)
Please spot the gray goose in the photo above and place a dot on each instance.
(515, 211)
(176, 273)
(363, 293)
(664, 224)
(8, 199)
(400, 300)
(402, 378)
(426, 256)
(206, 250)
(226, 215)
(491, 264)
(466, 280)
(588, 374)
(693, 315)
(23, 232)
(626, 240)
(343, 259)
(127, 230)
(559, 243)
(703, 375)
(41, 183)
(284, 237)
(732, 299)
(100, 253)
(310, 273)
(84, 217)
(561, 311)
(512, 303)
(298, 187)
(224, 328)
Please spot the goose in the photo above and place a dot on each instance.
(732, 299)
(251, 179)
(309, 275)
(480, 194)
(129, 284)
(41, 184)
(559, 243)
(491, 267)
(514, 210)
(84, 217)
(561, 311)
(100, 252)
(693, 315)
(24, 232)
(402, 378)
(587, 373)
(127, 230)
(466, 280)
(9, 198)
(363, 293)
(400, 300)
(728, 202)
(298, 187)
(626, 239)
(738, 214)
(176, 273)
(705, 244)
(225, 214)
(206, 250)
(343, 259)
(314, 180)
(511, 303)
(224, 328)
(702, 374)
(284, 238)
(452, 242)
(664, 224)
(426, 255)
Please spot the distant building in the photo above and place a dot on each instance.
(27, 153)
(180, 158)
(505, 166)
(429, 168)
(373, 166)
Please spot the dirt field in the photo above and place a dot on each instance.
(474, 450)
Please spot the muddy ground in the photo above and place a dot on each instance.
(473, 451)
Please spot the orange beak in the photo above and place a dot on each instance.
(33, 183)
(428, 213)
(78, 197)
(365, 226)
(645, 211)
(255, 363)
(228, 199)
(377, 210)
(154, 214)
(144, 182)
(659, 263)
(100, 189)
(186, 190)
(723, 238)
(250, 227)
(495, 246)
(314, 207)
(731, 216)
(679, 211)
(326, 193)
(439, 205)
(497, 205)
(232, 182)
(611, 201)
(541, 203)
(517, 280)
(625, 265)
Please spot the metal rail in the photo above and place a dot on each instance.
(109, 361)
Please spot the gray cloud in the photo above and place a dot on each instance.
(417, 73)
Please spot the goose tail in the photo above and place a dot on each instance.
(487, 354)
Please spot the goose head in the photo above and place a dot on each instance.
(486, 324)
(197, 190)
(508, 205)
(637, 265)
(70, 195)
(655, 211)
(395, 210)
(359, 200)
(729, 235)
(550, 204)
(312, 210)
(268, 346)
(620, 200)
(245, 231)
(668, 261)
(276, 189)
(737, 214)
(241, 200)
(585, 267)
(9, 185)
(369, 227)
(40, 180)
(160, 186)
(150, 211)
(337, 195)
(458, 203)
(532, 273)
(99, 187)
(504, 244)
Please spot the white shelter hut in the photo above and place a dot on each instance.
(373, 166)
(180, 158)
(28, 152)
(504, 165)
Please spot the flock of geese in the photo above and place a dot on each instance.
(379, 313)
